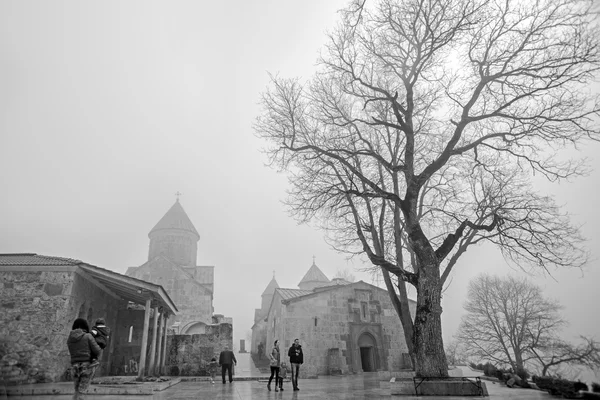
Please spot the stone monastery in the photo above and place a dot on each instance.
(172, 264)
(343, 327)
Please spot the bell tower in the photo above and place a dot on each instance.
(175, 237)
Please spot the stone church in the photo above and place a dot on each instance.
(172, 264)
(344, 327)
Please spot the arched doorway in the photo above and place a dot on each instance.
(368, 352)
(194, 328)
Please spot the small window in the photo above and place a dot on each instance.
(364, 310)
(130, 334)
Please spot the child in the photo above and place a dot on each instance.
(100, 333)
(212, 368)
(282, 375)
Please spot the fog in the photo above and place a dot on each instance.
(107, 109)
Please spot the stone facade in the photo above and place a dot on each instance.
(343, 327)
(259, 329)
(190, 354)
(37, 309)
(172, 264)
(193, 299)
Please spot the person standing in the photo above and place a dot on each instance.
(82, 348)
(274, 360)
(226, 359)
(296, 358)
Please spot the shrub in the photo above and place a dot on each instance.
(595, 387)
(489, 369)
(500, 375)
(523, 374)
(555, 386)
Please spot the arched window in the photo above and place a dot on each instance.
(89, 315)
(130, 334)
(81, 313)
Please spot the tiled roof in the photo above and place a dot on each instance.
(288, 294)
(270, 289)
(314, 274)
(176, 218)
(34, 259)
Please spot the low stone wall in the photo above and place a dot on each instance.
(406, 387)
(189, 355)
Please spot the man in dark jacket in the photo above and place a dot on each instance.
(226, 359)
(296, 358)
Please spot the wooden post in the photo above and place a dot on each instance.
(153, 344)
(164, 349)
(159, 346)
(142, 364)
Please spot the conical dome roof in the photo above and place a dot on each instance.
(314, 274)
(270, 289)
(176, 218)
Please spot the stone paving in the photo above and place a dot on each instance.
(355, 387)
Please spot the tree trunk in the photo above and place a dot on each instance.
(401, 306)
(428, 343)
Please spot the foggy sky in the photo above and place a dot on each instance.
(109, 108)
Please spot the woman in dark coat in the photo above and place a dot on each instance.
(82, 348)
(274, 360)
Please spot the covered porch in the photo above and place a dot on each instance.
(151, 306)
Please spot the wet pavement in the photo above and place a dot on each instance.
(355, 387)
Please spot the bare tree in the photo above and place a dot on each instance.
(554, 354)
(420, 130)
(506, 318)
(345, 274)
(455, 353)
(510, 322)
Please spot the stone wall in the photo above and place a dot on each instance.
(37, 309)
(190, 354)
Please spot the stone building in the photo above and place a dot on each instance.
(196, 334)
(259, 329)
(40, 297)
(343, 327)
(172, 264)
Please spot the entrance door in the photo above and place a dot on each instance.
(366, 359)
(368, 352)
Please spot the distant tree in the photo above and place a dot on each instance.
(420, 132)
(510, 322)
(455, 353)
(345, 274)
(552, 355)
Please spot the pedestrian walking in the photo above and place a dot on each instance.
(82, 348)
(296, 359)
(274, 359)
(282, 374)
(227, 360)
(212, 368)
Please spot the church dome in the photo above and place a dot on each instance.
(175, 237)
(175, 219)
(313, 278)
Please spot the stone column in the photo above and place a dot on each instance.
(164, 349)
(159, 346)
(153, 344)
(142, 364)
